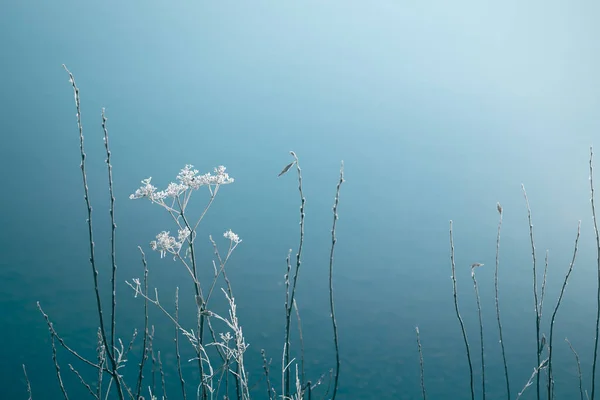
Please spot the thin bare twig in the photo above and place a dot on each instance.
(578, 368)
(421, 364)
(598, 268)
(27, 382)
(499, 208)
(473, 267)
(331, 303)
(110, 350)
(538, 315)
(550, 385)
(458, 316)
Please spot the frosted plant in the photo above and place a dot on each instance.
(232, 236)
(175, 199)
(229, 344)
(168, 244)
(180, 192)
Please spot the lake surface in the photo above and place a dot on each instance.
(438, 110)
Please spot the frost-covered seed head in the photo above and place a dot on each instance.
(232, 236)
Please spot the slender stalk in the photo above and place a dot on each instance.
(113, 231)
(578, 368)
(536, 372)
(57, 367)
(27, 382)
(331, 303)
(110, 350)
(177, 353)
(162, 377)
(199, 298)
(152, 357)
(550, 385)
(286, 304)
(83, 382)
(598, 268)
(301, 337)
(508, 396)
(63, 344)
(543, 292)
(270, 390)
(422, 371)
(101, 356)
(286, 358)
(480, 326)
(145, 339)
(538, 315)
(458, 316)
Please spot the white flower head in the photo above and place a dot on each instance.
(146, 190)
(188, 176)
(222, 177)
(174, 189)
(232, 236)
(183, 234)
(165, 243)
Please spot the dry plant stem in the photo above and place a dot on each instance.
(499, 207)
(177, 353)
(222, 263)
(162, 377)
(538, 315)
(286, 304)
(295, 281)
(57, 367)
(328, 383)
(550, 385)
(270, 391)
(27, 382)
(101, 356)
(301, 337)
(218, 272)
(224, 373)
(460, 320)
(536, 372)
(598, 268)
(83, 382)
(221, 270)
(157, 303)
(480, 330)
(578, 368)
(63, 344)
(153, 358)
(331, 303)
(199, 295)
(145, 340)
(421, 364)
(112, 235)
(543, 292)
(110, 350)
(220, 351)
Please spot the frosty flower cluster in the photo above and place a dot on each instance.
(187, 178)
(165, 243)
(232, 236)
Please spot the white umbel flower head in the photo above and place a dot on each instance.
(165, 243)
(232, 236)
(146, 190)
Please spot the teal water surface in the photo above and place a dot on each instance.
(438, 109)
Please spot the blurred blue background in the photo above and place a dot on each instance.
(438, 109)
